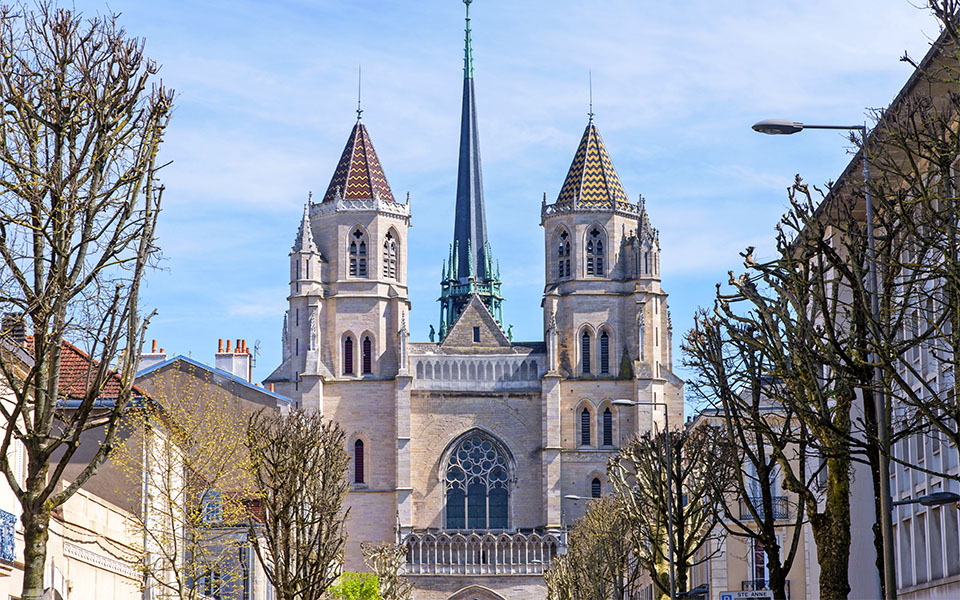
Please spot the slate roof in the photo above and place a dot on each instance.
(359, 175)
(226, 375)
(592, 182)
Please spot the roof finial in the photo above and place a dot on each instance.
(468, 47)
(359, 81)
(590, 114)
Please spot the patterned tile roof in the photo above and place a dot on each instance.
(359, 175)
(77, 369)
(592, 181)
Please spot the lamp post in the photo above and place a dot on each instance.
(666, 425)
(787, 127)
(934, 499)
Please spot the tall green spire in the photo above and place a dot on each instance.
(468, 47)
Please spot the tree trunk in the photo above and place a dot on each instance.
(831, 531)
(36, 532)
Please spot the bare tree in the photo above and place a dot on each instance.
(387, 562)
(80, 126)
(729, 378)
(640, 473)
(299, 465)
(600, 562)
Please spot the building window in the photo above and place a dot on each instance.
(585, 353)
(585, 427)
(390, 257)
(211, 507)
(476, 335)
(563, 255)
(607, 427)
(595, 253)
(348, 356)
(8, 530)
(358, 254)
(367, 356)
(358, 461)
(595, 488)
(476, 485)
(604, 353)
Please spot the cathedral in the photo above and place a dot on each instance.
(473, 450)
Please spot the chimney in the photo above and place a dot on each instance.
(14, 327)
(235, 360)
(148, 359)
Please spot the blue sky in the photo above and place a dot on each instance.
(266, 93)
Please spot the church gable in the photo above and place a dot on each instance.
(475, 328)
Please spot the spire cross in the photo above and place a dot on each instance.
(359, 82)
(468, 47)
(590, 114)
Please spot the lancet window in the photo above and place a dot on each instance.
(585, 353)
(390, 257)
(367, 355)
(358, 254)
(358, 461)
(348, 356)
(604, 353)
(585, 427)
(607, 426)
(477, 482)
(595, 266)
(595, 488)
(563, 255)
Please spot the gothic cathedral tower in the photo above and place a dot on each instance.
(348, 281)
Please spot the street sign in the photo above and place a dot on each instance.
(754, 595)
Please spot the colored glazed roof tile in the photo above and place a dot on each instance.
(359, 175)
(592, 181)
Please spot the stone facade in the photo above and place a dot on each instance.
(544, 408)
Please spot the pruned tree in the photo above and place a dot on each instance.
(299, 466)
(388, 562)
(729, 378)
(601, 561)
(80, 127)
(183, 458)
(639, 474)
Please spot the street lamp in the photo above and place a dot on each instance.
(666, 424)
(786, 127)
(934, 499)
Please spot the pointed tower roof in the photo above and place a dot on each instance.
(592, 182)
(470, 225)
(359, 175)
(304, 241)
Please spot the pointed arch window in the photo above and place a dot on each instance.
(595, 488)
(390, 257)
(477, 495)
(358, 461)
(595, 266)
(366, 352)
(563, 255)
(585, 427)
(348, 356)
(604, 353)
(585, 353)
(607, 426)
(358, 254)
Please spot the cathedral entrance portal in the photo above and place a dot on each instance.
(476, 592)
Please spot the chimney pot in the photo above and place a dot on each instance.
(228, 345)
(220, 345)
(153, 348)
(162, 351)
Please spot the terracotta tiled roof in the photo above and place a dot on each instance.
(359, 175)
(77, 369)
(592, 181)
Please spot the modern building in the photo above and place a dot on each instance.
(464, 446)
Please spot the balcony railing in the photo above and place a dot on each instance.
(8, 527)
(754, 585)
(781, 508)
(451, 552)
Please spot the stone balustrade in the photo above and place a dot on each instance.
(473, 552)
(483, 373)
